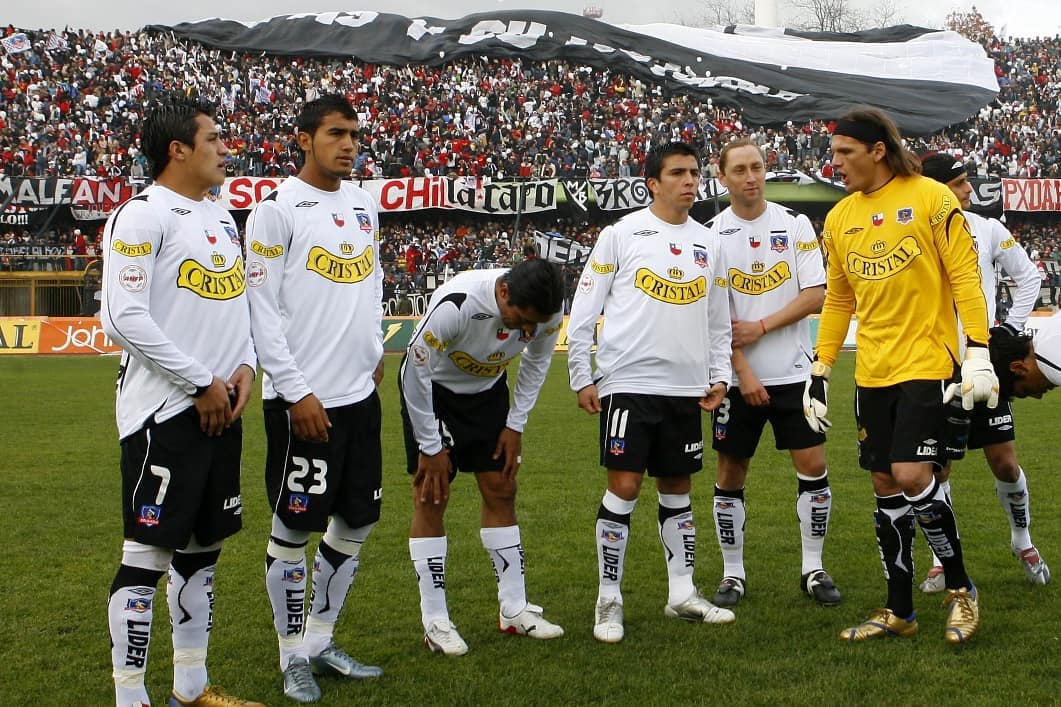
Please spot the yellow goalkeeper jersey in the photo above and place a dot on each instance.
(903, 261)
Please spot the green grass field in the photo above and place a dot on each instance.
(62, 538)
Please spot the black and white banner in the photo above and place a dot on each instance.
(927, 79)
(557, 249)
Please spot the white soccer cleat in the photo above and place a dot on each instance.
(529, 622)
(700, 610)
(935, 581)
(442, 637)
(1034, 566)
(608, 621)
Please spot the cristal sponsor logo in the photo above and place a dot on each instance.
(209, 284)
(1007, 244)
(891, 262)
(433, 341)
(664, 290)
(338, 269)
(496, 356)
(757, 284)
(943, 212)
(267, 251)
(721, 282)
(469, 365)
(807, 245)
(601, 268)
(131, 250)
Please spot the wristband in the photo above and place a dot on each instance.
(763, 325)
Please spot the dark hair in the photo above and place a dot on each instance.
(1006, 347)
(535, 283)
(654, 160)
(733, 145)
(313, 113)
(901, 161)
(171, 118)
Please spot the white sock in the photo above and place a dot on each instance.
(677, 532)
(506, 552)
(191, 611)
(129, 614)
(730, 517)
(1015, 502)
(814, 504)
(333, 574)
(285, 582)
(429, 561)
(612, 535)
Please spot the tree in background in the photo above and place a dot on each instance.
(970, 25)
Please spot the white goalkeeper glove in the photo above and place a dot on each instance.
(816, 397)
(978, 380)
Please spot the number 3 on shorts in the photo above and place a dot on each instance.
(318, 476)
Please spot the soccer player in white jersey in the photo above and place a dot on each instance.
(173, 299)
(776, 278)
(316, 292)
(456, 417)
(992, 429)
(663, 355)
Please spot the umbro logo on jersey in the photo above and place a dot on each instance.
(853, 231)
(482, 316)
(646, 232)
(729, 231)
(180, 212)
(305, 204)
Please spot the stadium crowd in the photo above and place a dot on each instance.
(72, 105)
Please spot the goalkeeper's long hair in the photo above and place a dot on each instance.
(1005, 348)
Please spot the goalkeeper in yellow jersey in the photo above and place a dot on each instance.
(901, 259)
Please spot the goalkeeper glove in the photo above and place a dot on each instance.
(978, 380)
(815, 397)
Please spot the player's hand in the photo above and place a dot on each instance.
(752, 389)
(816, 397)
(588, 399)
(713, 397)
(510, 444)
(309, 420)
(745, 332)
(214, 408)
(431, 481)
(978, 380)
(239, 390)
(377, 375)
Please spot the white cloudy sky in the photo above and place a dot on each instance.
(1022, 18)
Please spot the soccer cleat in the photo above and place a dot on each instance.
(442, 637)
(529, 622)
(698, 609)
(299, 684)
(1035, 568)
(608, 621)
(730, 592)
(882, 623)
(212, 697)
(963, 616)
(820, 587)
(935, 581)
(333, 660)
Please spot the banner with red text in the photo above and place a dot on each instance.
(1031, 194)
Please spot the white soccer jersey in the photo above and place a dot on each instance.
(462, 345)
(768, 262)
(666, 327)
(995, 246)
(316, 292)
(173, 299)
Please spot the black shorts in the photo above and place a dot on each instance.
(900, 423)
(177, 481)
(469, 424)
(986, 427)
(659, 434)
(308, 482)
(738, 426)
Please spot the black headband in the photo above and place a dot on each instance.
(863, 132)
(942, 167)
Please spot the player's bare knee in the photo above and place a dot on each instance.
(732, 472)
(625, 485)
(674, 484)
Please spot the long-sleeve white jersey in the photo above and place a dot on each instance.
(173, 299)
(995, 246)
(462, 345)
(768, 262)
(666, 327)
(316, 292)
